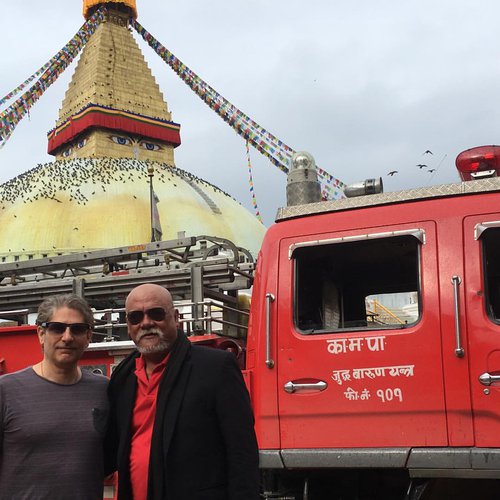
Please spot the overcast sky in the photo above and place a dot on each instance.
(365, 86)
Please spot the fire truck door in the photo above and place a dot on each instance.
(359, 362)
(482, 295)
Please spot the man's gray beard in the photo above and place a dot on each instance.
(163, 345)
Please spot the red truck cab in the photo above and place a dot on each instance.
(374, 338)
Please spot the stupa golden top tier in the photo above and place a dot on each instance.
(90, 5)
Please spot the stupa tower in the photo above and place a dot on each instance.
(113, 106)
(114, 145)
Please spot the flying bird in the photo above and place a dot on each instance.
(431, 170)
(421, 165)
(392, 172)
(428, 152)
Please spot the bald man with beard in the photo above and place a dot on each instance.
(181, 423)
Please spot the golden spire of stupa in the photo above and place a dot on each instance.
(113, 106)
(89, 5)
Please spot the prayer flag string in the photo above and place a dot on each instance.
(16, 91)
(252, 187)
(47, 75)
(266, 143)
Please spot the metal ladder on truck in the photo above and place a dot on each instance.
(203, 273)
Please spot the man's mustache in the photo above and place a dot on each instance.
(151, 331)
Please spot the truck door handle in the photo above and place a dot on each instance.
(292, 387)
(459, 350)
(487, 379)
(269, 360)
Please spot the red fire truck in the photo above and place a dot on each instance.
(371, 356)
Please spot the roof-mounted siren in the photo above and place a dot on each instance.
(478, 163)
(302, 185)
(369, 186)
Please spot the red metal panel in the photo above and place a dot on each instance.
(19, 347)
(263, 387)
(483, 347)
(448, 214)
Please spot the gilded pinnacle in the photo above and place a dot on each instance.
(89, 5)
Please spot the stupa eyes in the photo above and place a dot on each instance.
(129, 141)
(81, 143)
(122, 141)
(66, 152)
(150, 146)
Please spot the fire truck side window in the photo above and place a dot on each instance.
(368, 284)
(491, 264)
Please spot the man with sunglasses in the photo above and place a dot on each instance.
(53, 415)
(181, 424)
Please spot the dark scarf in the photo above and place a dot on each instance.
(160, 440)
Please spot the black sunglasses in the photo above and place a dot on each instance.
(58, 328)
(155, 313)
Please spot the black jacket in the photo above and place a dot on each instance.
(203, 445)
